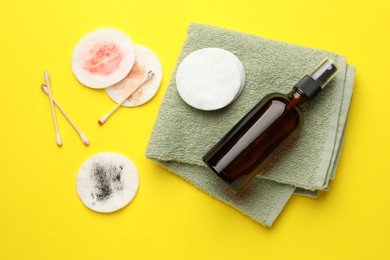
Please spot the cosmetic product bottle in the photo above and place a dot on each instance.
(265, 130)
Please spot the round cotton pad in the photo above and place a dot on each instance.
(210, 78)
(107, 182)
(102, 58)
(145, 60)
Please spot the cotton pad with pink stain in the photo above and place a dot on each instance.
(103, 58)
(145, 61)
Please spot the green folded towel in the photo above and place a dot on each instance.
(182, 134)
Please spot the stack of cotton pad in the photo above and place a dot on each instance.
(210, 78)
(107, 58)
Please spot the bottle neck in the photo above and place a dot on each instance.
(297, 97)
(309, 87)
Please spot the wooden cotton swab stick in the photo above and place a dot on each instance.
(149, 75)
(58, 136)
(83, 137)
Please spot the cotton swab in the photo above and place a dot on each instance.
(58, 136)
(149, 75)
(83, 137)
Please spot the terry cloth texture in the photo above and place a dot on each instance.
(182, 134)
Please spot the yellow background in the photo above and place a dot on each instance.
(41, 216)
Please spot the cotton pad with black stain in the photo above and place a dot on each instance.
(107, 182)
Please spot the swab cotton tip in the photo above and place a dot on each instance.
(107, 182)
(210, 78)
(146, 65)
(46, 74)
(101, 121)
(84, 139)
(44, 89)
(149, 75)
(58, 139)
(103, 58)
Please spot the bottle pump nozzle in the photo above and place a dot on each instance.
(313, 83)
(324, 72)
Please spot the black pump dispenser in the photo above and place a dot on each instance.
(312, 84)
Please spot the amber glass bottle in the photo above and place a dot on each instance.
(265, 130)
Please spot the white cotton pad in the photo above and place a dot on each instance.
(145, 60)
(210, 78)
(107, 182)
(103, 58)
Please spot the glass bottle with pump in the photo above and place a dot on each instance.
(265, 130)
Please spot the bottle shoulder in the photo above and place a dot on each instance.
(290, 103)
(279, 97)
(276, 95)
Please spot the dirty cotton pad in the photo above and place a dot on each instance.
(182, 134)
(210, 78)
(107, 182)
(102, 58)
(145, 61)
